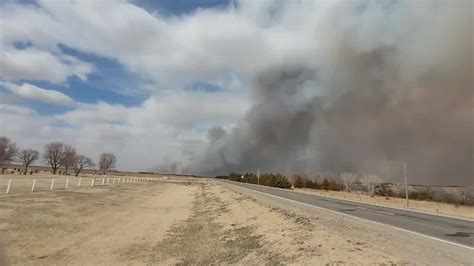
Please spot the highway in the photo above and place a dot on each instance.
(457, 231)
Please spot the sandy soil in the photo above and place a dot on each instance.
(196, 222)
(427, 206)
(90, 226)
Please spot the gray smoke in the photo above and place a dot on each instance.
(386, 82)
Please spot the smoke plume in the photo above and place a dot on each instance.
(384, 82)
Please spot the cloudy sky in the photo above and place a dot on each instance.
(142, 79)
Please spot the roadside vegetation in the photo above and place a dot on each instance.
(267, 179)
(367, 184)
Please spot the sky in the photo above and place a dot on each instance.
(212, 86)
(135, 78)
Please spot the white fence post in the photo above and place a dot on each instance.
(9, 185)
(113, 181)
(92, 182)
(52, 184)
(79, 183)
(118, 181)
(103, 181)
(67, 183)
(33, 186)
(107, 180)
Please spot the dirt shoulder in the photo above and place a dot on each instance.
(421, 205)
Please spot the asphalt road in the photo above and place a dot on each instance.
(449, 229)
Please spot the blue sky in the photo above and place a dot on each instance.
(180, 7)
(111, 82)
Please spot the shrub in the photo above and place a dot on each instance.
(250, 178)
(333, 185)
(325, 184)
(311, 184)
(235, 177)
(384, 190)
(274, 180)
(300, 182)
(420, 195)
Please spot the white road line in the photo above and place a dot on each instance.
(372, 210)
(358, 218)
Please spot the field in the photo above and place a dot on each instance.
(183, 220)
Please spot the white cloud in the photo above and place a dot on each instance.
(171, 51)
(37, 64)
(32, 92)
(15, 109)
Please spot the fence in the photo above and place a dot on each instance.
(44, 184)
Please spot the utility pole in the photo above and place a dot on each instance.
(258, 176)
(406, 183)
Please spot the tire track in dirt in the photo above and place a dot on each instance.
(201, 240)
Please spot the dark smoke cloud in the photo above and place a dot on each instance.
(386, 82)
(215, 133)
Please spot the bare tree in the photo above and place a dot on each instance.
(8, 150)
(462, 195)
(348, 179)
(53, 155)
(106, 161)
(81, 162)
(370, 181)
(27, 157)
(68, 158)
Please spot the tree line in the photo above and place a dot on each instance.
(56, 155)
(266, 179)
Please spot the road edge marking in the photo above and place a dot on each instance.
(358, 218)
